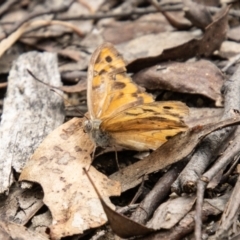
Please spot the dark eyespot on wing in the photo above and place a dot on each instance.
(118, 85)
(108, 59)
(120, 95)
(167, 107)
(103, 71)
(168, 137)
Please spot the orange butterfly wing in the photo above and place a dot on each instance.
(146, 126)
(110, 90)
(125, 114)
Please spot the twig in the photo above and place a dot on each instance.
(138, 12)
(157, 195)
(127, 208)
(232, 167)
(62, 8)
(199, 204)
(177, 24)
(232, 89)
(231, 212)
(98, 16)
(231, 62)
(11, 39)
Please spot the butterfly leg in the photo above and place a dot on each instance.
(116, 158)
(93, 156)
(139, 192)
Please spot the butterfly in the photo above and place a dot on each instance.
(120, 112)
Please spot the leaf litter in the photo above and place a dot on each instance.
(163, 60)
(72, 202)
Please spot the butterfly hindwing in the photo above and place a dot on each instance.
(148, 125)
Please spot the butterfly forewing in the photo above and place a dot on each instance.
(110, 90)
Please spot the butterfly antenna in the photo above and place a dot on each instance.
(37, 79)
(53, 88)
(62, 96)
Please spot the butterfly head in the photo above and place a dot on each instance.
(92, 127)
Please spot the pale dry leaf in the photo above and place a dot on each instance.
(148, 54)
(171, 212)
(58, 166)
(229, 49)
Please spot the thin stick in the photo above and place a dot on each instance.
(62, 8)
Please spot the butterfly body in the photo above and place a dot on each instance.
(121, 113)
(92, 127)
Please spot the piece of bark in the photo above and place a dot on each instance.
(21, 204)
(15, 231)
(31, 111)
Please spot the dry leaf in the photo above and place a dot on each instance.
(229, 49)
(118, 32)
(197, 14)
(121, 225)
(202, 76)
(21, 204)
(203, 116)
(186, 225)
(58, 166)
(214, 35)
(234, 34)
